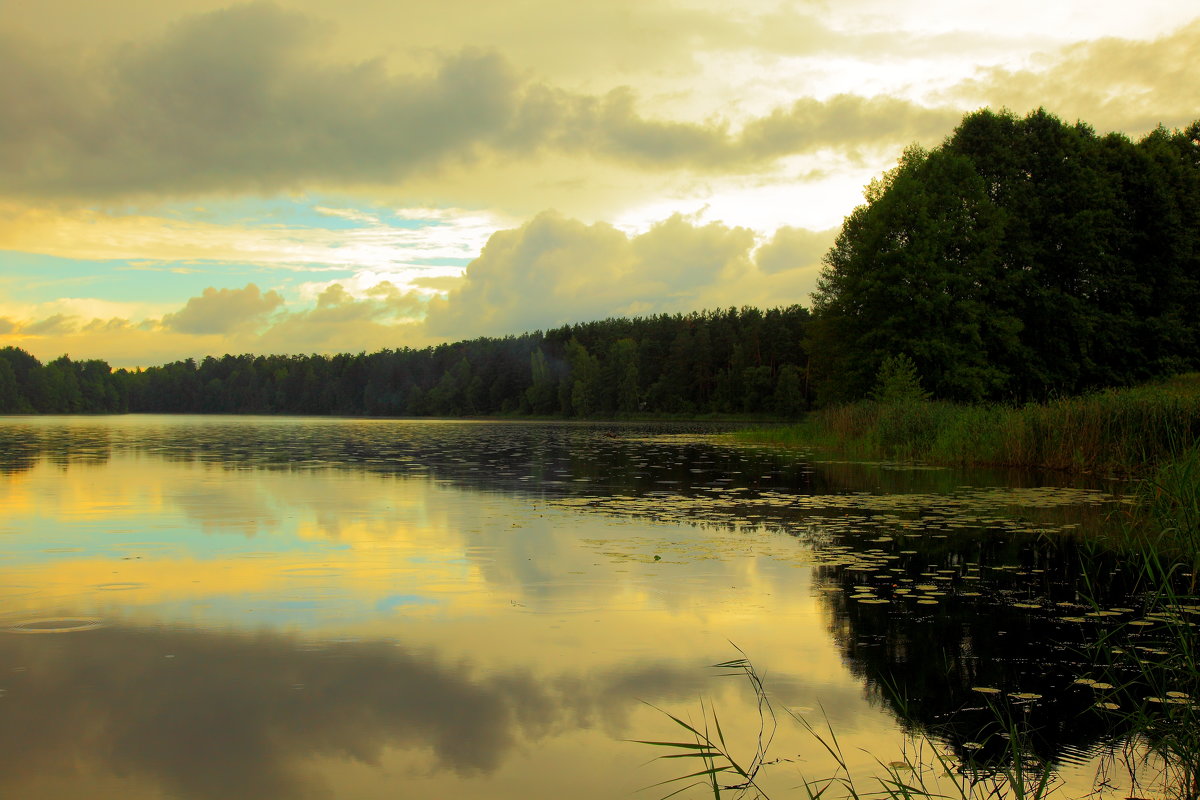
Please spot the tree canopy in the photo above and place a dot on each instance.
(1023, 258)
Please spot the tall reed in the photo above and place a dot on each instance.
(1154, 662)
(1129, 431)
(924, 773)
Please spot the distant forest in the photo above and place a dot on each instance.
(1022, 259)
(734, 361)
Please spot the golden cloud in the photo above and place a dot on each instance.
(554, 271)
(791, 247)
(223, 311)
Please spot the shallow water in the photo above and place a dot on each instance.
(222, 607)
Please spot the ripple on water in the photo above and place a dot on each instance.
(55, 625)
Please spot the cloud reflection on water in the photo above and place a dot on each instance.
(220, 715)
(211, 714)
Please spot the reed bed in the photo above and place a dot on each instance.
(1127, 431)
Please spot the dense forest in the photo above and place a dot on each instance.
(733, 361)
(1024, 258)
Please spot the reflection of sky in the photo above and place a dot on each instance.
(305, 548)
(328, 629)
(460, 636)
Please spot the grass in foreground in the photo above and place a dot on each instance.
(1153, 663)
(924, 772)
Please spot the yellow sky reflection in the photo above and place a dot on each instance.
(368, 632)
(361, 550)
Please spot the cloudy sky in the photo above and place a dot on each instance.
(189, 178)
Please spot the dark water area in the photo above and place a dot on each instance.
(199, 607)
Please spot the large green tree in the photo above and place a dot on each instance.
(915, 271)
(1022, 258)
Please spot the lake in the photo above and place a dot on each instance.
(237, 607)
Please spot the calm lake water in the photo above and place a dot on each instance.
(224, 607)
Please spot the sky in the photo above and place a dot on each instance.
(197, 177)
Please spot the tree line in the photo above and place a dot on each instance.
(1022, 259)
(729, 361)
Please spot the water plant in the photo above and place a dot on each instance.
(708, 745)
(1153, 663)
(1146, 660)
(1146, 685)
(926, 770)
(1169, 502)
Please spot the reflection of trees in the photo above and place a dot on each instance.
(22, 445)
(926, 661)
(521, 458)
(215, 715)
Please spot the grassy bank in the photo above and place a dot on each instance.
(1127, 431)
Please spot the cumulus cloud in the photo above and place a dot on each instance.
(791, 247)
(111, 325)
(384, 316)
(240, 99)
(613, 126)
(237, 321)
(223, 311)
(554, 270)
(550, 271)
(56, 325)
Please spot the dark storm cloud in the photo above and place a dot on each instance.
(241, 100)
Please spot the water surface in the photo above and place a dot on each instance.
(222, 607)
